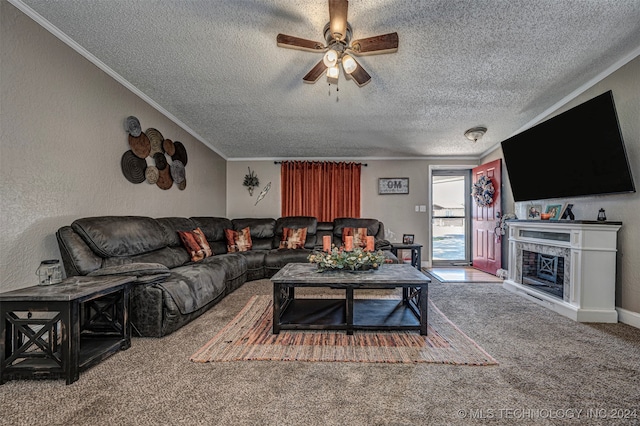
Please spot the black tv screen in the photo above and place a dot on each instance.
(576, 153)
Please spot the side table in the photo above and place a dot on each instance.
(59, 330)
(416, 252)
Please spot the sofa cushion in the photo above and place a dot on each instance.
(235, 268)
(77, 256)
(213, 228)
(293, 238)
(171, 257)
(262, 231)
(238, 241)
(297, 222)
(114, 236)
(131, 269)
(255, 263)
(278, 258)
(145, 273)
(171, 227)
(193, 286)
(372, 225)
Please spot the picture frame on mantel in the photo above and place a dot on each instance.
(554, 210)
(393, 186)
(533, 213)
(567, 213)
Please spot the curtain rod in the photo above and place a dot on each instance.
(360, 164)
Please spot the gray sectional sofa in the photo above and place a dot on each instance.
(170, 289)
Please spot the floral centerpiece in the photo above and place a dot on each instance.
(340, 259)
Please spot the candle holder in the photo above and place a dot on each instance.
(49, 272)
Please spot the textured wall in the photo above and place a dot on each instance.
(60, 148)
(397, 212)
(625, 84)
(239, 202)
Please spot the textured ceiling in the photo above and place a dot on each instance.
(215, 66)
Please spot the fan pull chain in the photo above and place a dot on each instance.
(337, 90)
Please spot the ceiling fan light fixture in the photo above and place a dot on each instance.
(333, 72)
(330, 58)
(349, 64)
(475, 133)
(338, 36)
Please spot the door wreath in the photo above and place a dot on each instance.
(483, 191)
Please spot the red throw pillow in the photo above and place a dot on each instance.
(238, 240)
(202, 240)
(359, 236)
(196, 244)
(293, 238)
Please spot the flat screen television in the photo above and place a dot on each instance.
(579, 152)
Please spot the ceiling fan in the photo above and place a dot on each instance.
(340, 47)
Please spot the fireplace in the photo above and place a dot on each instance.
(566, 266)
(543, 267)
(543, 272)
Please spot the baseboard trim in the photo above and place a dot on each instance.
(628, 317)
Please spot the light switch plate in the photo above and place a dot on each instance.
(423, 208)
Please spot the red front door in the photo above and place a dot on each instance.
(487, 253)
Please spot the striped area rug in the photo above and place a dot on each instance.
(248, 337)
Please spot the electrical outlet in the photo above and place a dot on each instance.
(423, 208)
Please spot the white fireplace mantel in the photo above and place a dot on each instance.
(589, 290)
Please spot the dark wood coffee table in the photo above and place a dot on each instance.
(347, 313)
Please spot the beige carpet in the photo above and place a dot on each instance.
(249, 337)
(461, 275)
(548, 364)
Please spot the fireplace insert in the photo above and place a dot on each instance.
(543, 272)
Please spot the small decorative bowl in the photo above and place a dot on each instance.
(545, 216)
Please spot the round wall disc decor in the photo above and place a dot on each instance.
(180, 154)
(161, 160)
(156, 139)
(133, 167)
(140, 145)
(132, 126)
(164, 179)
(177, 171)
(152, 174)
(168, 147)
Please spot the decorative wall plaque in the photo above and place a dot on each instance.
(393, 186)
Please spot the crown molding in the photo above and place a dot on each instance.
(360, 159)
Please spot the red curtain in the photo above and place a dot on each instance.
(322, 189)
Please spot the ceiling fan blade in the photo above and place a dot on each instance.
(284, 40)
(386, 43)
(315, 73)
(360, 76)
(338, 18)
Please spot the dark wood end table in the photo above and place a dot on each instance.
(416, 252)
(59, 330)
